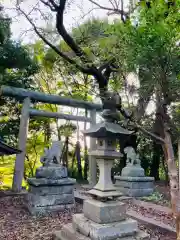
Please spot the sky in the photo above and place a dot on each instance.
(79, 11)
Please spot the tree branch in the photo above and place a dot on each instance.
(92, 70)
(108, 68)
(53, 9)
(156, 137)
(105, 65)
(62, 31)
(115, 10)
(53, 4)
(64, 56)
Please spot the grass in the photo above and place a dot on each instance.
(6, 175)
(157, 198)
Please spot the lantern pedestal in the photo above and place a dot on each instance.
(101, 220)
(105, 155)
(104, 188)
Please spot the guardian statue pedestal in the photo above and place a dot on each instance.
(133, 181)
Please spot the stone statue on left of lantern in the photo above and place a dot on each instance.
(50, 190)
(52, 155)
(51, 167)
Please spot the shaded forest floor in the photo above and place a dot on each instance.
(17, 224)
(161, 195)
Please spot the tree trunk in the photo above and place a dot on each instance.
(173, 177)
(85, 151)
(73, 162)
(154, 170)
(122, 162)
(78, 157)
(47, 133)
(67, 152)
(57, 130)
(165, 168)
(62, 158)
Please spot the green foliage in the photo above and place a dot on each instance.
(16, 69)
(157, 198)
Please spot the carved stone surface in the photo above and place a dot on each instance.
(49, 200)
(51, 182)
(132, 171)
(105, 182)
(136, 192)
(136, 179)
(104, 212)
(40, 211)
(135, 186)
(104, 194)
(107, 231)
(49, 195)
(52, 172)
(68, 233)
(51, 190)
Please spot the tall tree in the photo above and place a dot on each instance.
(152, 48)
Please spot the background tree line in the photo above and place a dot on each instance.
(143, 44)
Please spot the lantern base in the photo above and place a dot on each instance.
(100, 194)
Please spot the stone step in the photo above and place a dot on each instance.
(80, 197)
(152, 222)
(106, 231)
(68, 233)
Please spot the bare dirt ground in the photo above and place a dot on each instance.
(17, 224)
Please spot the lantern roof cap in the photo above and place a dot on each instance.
(107, 129)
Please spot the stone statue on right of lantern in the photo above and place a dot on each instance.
(133, 164)
(133, 181)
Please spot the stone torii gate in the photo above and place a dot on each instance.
(29, 96)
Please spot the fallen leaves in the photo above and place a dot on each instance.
(17, 224)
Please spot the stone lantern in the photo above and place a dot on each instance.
(106, 134)
(103, 217)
